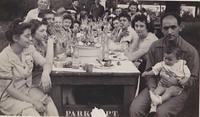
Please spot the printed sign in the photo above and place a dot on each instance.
(85, 111)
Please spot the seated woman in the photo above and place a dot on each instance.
(126, 35)
(39, 35)
(67, 25)
(146, 38)
(40, 39)
(116, 29)
(18, 95)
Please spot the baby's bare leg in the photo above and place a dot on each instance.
(170, 92)
(159, 90)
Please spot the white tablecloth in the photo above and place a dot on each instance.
(125, 66)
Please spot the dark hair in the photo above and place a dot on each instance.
(44, 12)
(79, 23)
(70, 18)
(117, 8)
(83, 14)
(142, 18)
(115, 18)
(74, 0)
(16, 27)
(110, 18)
(91, 17)
(126, 15)
(175, 15)
(143, 10)
(133, 3)
(174, 50)
(35, 24)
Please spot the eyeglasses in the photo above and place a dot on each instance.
(168, 27)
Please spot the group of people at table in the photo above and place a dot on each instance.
(172, 64)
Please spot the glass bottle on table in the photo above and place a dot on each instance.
(105, 49)
(68, 50)
(75, 58)
(58, 49)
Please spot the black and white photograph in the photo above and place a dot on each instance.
(100, 58)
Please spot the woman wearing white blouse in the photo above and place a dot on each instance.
(146, 38)
(18, 95)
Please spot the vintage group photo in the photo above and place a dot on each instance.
(99, 58)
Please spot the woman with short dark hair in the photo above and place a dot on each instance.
(146, 38)
(133, 9)
(18, 95)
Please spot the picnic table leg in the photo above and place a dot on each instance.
(129, 94)
(56, 94)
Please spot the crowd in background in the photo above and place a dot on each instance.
(76, 24)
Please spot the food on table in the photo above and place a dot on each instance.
(108, 63)
(68, 64)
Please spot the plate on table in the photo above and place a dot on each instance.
(118, 57)
(104, 67)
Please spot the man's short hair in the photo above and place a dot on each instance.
(133, 3)
(126, 15)
(78, 22)
(175, 15)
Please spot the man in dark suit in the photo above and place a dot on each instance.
(97, 10)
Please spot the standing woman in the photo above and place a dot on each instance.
(146, 38)
(18, 95)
